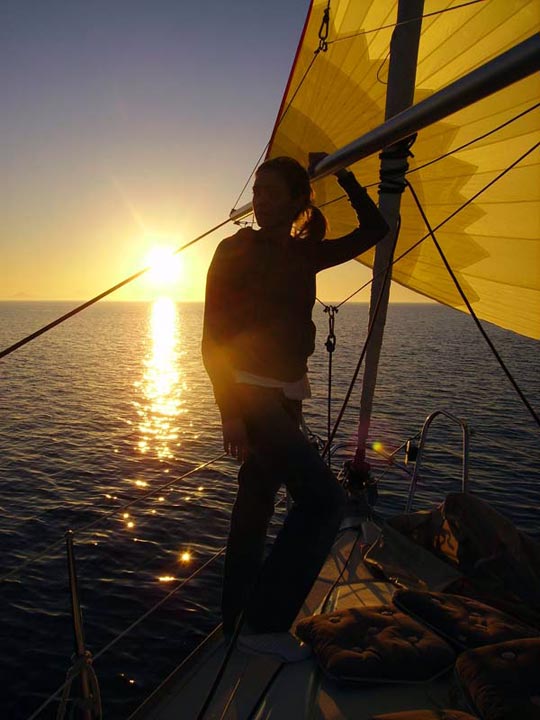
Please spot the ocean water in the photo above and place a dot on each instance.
(115, 403)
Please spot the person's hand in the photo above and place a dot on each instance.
(314, 158)
(235, 441)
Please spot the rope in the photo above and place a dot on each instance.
(80, 308)
(400, 257)
(275, 129)
(361, 358)
(427, 164)
(106, 516)
(128, 629)
(82, 664)
(484, 334)
(443, 222)
(513, 449)
(330, 345)
(404, 22)
(474, 140)
(278, 123)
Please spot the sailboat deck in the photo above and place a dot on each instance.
(261, 688)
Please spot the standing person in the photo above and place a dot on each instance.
(257, 337)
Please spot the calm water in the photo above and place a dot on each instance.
(115, 403)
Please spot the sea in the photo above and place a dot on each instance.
(101, 419)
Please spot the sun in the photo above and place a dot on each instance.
(165, 266)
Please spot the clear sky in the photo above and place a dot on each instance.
(127, 124)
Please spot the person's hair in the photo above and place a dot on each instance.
(310, 223)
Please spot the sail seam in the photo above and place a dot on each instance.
(443, 222)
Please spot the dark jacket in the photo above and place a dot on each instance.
(260, 295)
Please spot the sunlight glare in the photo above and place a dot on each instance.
(165, 266)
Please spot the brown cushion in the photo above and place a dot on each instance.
(375, 644)
(426, 715)
(464, 622)
(502, 682)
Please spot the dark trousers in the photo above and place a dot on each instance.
(271, 591)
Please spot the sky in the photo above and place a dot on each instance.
(131, 124)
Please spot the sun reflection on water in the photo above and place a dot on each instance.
(160, 387)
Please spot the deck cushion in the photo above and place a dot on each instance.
(502, 681)
(375, 644)
(464, 622)
(425, 715)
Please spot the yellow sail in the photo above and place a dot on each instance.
(338, 94)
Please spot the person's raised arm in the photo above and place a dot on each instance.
(372, 226)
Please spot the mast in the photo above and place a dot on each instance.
(399, 96)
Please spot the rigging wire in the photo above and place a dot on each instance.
(371, 327)
(475, 140)
(443, 222)
(421, 167)
(511, 449)
(131, 627)
(405, 22)
(78, 309)
(106, 516)
(278, 123)
(400, 257)
(322, 47)
(465, 299)
(95, 299)
(135, 276)
(330, 345)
